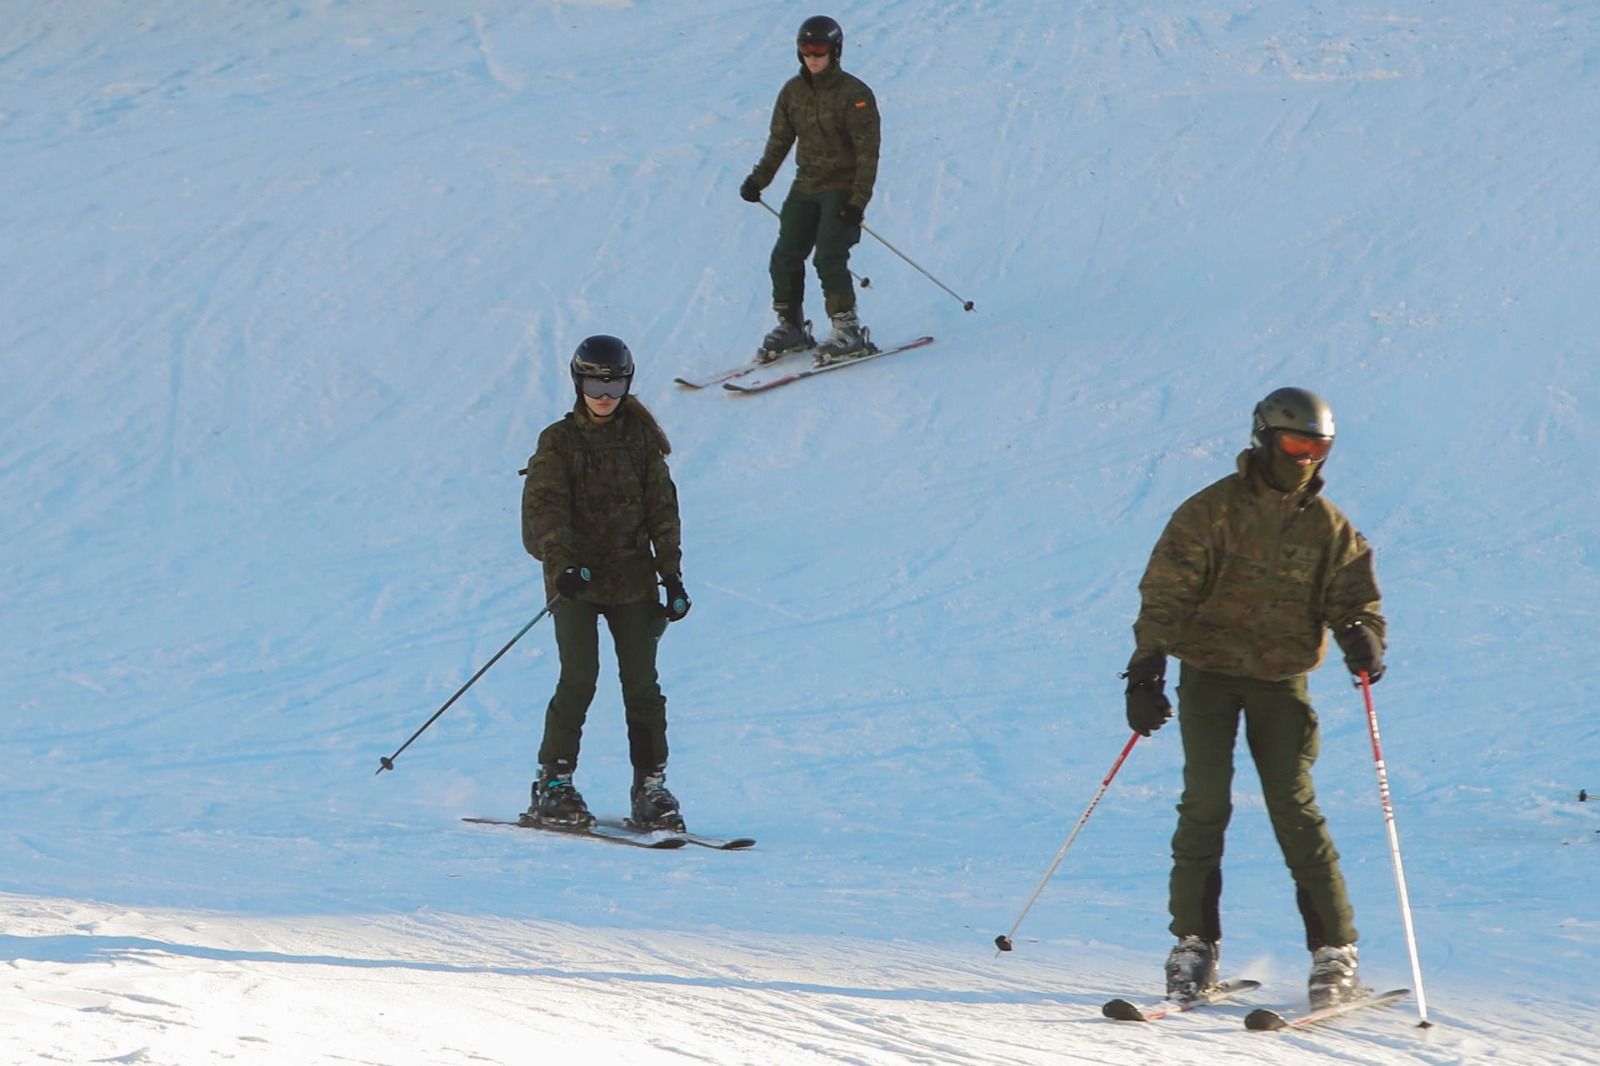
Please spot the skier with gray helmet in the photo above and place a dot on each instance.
(1242, 586)
(834, 117)
(600, 511)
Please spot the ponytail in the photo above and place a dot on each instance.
(636, 408)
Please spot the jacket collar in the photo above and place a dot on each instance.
(823, 80)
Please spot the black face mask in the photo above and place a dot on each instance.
(1284, 473)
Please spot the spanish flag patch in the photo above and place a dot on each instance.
(860, 104)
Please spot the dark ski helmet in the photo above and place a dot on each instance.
(820, 29)
(1297, 411)
(602, 358)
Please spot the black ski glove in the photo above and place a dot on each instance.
(1148, 706)
(572, 581)
(749, 191)
(852, 214)
(1362, 651)
(678, 602)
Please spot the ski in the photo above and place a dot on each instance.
(1271, 1021)
(609, 834)
(813, 371)
(1123, 1011)
(742, 369)
(715, 843)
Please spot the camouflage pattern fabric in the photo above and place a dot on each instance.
(600, 495)
(1245, 580)
(835, 118)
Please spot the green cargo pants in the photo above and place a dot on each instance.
(812, 220)
(635, 630)
(1281, 731)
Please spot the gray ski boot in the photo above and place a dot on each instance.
(1333, 977)
(849, 340)
(789, 335)
(555, 801)
(653, 806)
(1191, 967)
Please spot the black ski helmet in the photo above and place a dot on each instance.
(820, 29)
(1298, 410)
(601, 356)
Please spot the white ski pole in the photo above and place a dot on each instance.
(1394, 851)
(1003, 941)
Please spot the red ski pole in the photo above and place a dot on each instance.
(1394, 849)
(1003, 941)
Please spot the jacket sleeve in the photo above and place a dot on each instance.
(1174, 579)
(547, 505)
(1352, 592)
(780, 138)
(861, 120)
(661, 515)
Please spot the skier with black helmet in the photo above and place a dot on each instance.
(600, 510)
(834, 117)
(1241, 588)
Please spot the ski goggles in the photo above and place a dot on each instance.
(605, 388)
(816, 51)
(1303, 446)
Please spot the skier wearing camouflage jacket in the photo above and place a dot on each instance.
(600, 510)
(834, 117)
(1242, 586)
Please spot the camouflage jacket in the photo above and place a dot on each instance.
(599, 495)
(835, 118)
(1245, 580)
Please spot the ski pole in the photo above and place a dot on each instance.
(1394, 850)
(966, 305)
(1003, 941)
(865, 283)
(388, 763)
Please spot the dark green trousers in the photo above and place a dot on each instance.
(807, 221)
(635, 630)
(1280, 728)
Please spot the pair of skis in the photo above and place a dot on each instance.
(1257, 1020)
(620, 831)
(730, 379)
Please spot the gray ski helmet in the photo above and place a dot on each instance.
(1294, 409)
(820, 29)
(601, 356)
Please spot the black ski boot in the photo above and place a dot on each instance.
(555, 801)
(789, 335)
(653, 806)
(1191, 967)
(1333, 977)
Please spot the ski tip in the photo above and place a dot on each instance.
(1120, 1010)
(1265, 1021)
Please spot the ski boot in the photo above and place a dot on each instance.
(653, 806)
(789, 335)
(555, 801)
(849, 340)
(1191, 968)
(1333, 977)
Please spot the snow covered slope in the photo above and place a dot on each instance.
(292, 287)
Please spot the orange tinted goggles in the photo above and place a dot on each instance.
(1304, 446)
(816, 51)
